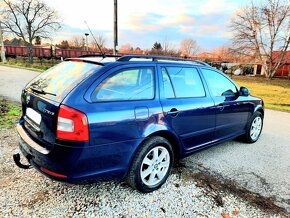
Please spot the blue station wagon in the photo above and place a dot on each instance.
(93, 118)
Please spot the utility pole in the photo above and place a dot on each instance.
(115, 28)
(86, 34)
(2, 49)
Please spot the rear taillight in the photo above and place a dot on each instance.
(72, 125)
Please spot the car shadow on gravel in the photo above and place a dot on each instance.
(216, 186)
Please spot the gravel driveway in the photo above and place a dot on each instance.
(26, 193)
(262, 167)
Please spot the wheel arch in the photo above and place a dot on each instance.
(172, 138)
(260, 109)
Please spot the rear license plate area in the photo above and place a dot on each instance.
(32, 119)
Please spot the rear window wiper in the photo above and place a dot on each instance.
(41, 91)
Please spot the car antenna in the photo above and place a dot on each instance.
(102, 53)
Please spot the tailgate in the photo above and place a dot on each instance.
(40, 118)
(42, 97)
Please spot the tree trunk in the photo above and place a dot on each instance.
(273, 73)
(30, 52)
(2, 49)
(268, 74)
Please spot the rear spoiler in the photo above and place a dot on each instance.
(83, 60)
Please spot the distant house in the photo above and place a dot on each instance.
(282, 71)
(258, 67)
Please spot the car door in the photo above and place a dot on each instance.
(187, 106)
(232, 111)
(122, 102)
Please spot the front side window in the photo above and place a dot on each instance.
(218, 83)
(126, 85)
(185, 81)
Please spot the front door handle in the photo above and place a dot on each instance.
(221, 106)
(173, 112)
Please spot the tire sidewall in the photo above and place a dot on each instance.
(149, 145)
(255, 115)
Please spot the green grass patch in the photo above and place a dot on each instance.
(10, 112)
(38, 65)
(275, 92)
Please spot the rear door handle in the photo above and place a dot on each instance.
(173, 112)
(221, 107)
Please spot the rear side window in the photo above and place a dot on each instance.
(218, 83)
(181, 82)
(126, 85)
(62, 78)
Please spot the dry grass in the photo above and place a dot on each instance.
(275, 92)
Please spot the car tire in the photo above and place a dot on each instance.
(254, 128)
(151, 165)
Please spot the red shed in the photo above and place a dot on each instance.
(284, 69)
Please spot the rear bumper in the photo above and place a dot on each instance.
(23, 137)
(103, 162)
(36, 155)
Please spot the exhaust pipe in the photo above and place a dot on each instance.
(16, 158)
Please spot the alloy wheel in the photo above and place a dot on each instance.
(256, 128)
(155, 166)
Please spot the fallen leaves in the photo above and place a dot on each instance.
(225, 215)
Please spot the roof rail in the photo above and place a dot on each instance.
(99, 55)
(156, 58)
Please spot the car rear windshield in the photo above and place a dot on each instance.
(59, 80)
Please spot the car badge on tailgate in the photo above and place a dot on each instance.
(48, 112)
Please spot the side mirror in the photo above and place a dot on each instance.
(244, 91)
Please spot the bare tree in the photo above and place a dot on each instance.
(223, 54)
(259, 30)
(28, 19)
(77, 42)
(169, 48)
(166, 45)
(126, 48)
(101, 40)
(64, 44)
(189, 47)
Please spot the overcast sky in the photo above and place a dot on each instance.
(141, 23)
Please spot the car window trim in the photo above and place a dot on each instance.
(173, 89)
